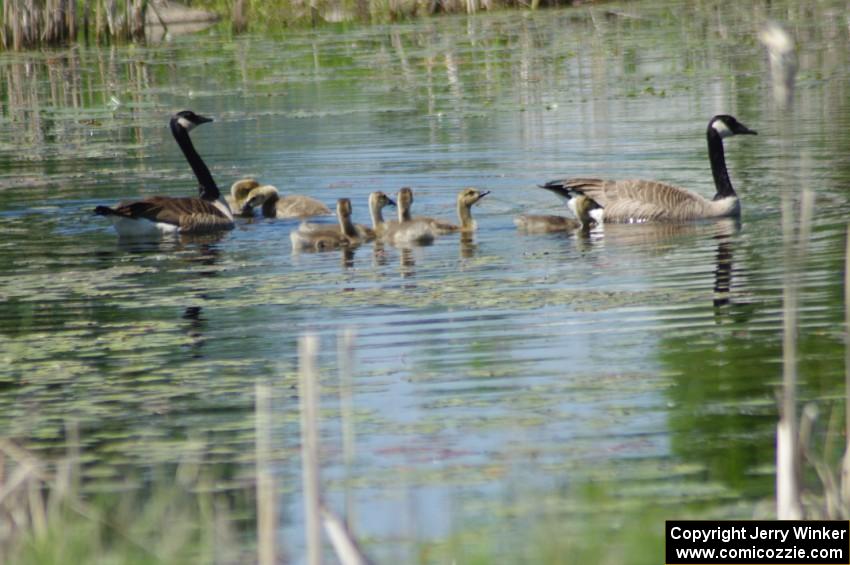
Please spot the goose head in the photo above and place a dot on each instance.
(260, 197)
(469, 196)
(189, 120)
(239, 193)
(343, 208)
(727, 126)
(404, 200)
(378, 200)
(240, 189)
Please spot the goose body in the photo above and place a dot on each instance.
(407, 230)
(644, 200)
(269, 200)
(321, 237)
(163, 215)
(546, 224)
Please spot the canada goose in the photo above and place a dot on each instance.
(160, 215)
(543, 224)
(273, 205)
(642, 200)
(319, 237)
(465, 199)
(239, 194)
(377, 201)
(407, 230)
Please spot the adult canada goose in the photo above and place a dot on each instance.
(543, 224)
(238, 197)
(642, 200)
(320, 237)
(465, 199)
(274, 205)
(160, 215)
(408, 230)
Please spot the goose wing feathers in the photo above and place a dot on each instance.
(189, 214)
(298, 206)
(637, 200)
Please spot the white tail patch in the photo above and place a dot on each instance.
(141, 227)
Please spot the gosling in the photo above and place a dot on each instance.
(465, 199)
(377, 202)
(548, 224)
(239, 194)
(407, 230)
(273, 205)
(318, 237)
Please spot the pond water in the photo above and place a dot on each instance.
(494, 375)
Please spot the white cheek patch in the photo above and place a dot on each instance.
(721, 128)
(185, 124)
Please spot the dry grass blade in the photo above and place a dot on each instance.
(266, 499)
(845, 463)
(345, 355)
(788, 453)
(347, 550)
(788, 505)
(309, 382)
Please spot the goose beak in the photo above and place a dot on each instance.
(203, 119)
(390, 202)
(557, 189)
(482, 195)
(744, 130)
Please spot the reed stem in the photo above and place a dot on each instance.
(309, 383)
(266, 499)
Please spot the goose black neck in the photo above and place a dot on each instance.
(718, 165)
(208, 189)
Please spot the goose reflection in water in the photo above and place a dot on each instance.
(658, 239)
(195, 330)
(467, 245)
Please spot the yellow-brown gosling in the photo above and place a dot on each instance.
(320, 237)
(377, 202)
(642, 200)
(239, 194)
(465, 199)
(544, 224)
(407, 230)
(290, 205)
(162, 215)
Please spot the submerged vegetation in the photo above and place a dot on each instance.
(499, 375)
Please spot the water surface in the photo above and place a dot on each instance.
(495, 374)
